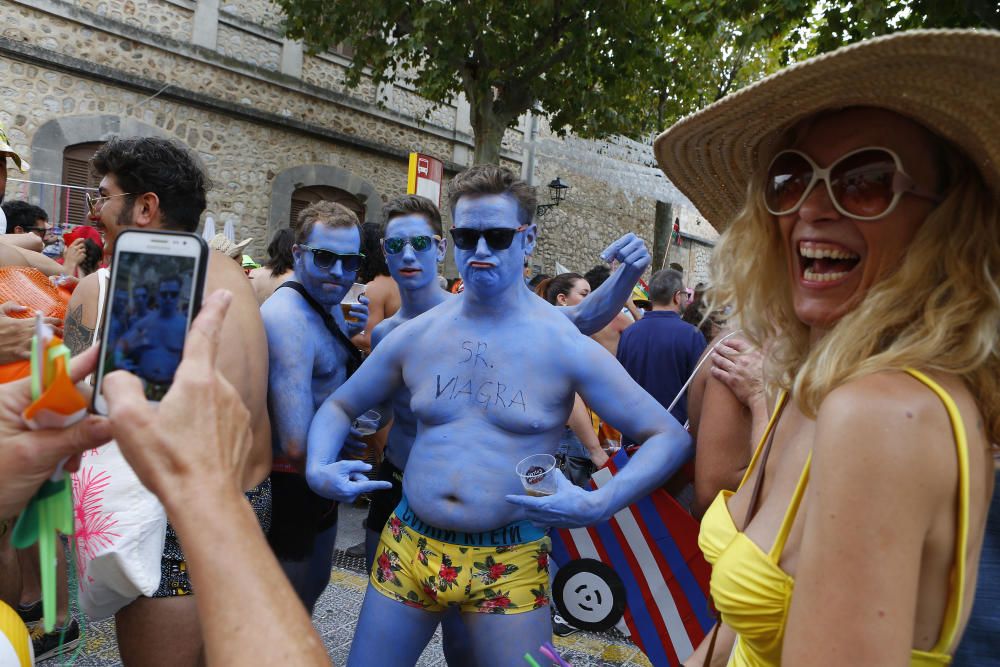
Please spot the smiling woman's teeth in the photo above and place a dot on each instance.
(809, 274)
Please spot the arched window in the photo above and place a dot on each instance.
(302, 197)
(77, 171)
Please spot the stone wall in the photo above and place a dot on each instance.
(260, 12)
(614, 187)
(249, 47)
(255, 107)
(242, 158)
(171, 19)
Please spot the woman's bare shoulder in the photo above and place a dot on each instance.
(889, 428)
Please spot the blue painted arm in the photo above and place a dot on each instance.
(609, 391)
(372, 384)
(290, 360)
(600, 307)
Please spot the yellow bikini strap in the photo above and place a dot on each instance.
(953, 612)
(793, 509)
(778, 407)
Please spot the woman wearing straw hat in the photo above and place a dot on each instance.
(859, 191)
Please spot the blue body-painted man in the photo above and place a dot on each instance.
(413, 246)
(492, 375)
(308, 361)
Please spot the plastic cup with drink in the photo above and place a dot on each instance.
(367, 423)
(537, 473)
(351, 299)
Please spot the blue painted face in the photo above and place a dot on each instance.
(413, 269)
(484, 269)
(328, 286)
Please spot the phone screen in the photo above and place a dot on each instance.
(150, 306)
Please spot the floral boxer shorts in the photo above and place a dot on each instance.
(503, 571)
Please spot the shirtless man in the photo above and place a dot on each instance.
(153, 344)
(310, 356)
(150, 184)
(492, 376)
(140, 303)
(413, 246)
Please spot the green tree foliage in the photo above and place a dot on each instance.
(597, 68)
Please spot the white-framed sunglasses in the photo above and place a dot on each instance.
(864, 184)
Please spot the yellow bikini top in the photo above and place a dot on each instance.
(752, 593)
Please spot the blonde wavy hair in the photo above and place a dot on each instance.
(939, 310)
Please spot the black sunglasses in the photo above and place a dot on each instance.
(498, 238)
(324, 259)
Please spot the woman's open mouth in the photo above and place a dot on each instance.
(825, 262)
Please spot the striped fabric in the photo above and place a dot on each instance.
(653, 546)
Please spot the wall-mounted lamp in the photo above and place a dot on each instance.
(557, 194)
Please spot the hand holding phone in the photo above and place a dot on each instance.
(157, 280)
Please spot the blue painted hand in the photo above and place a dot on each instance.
(342, 481)
(569, 507)
(358, 319)
(629, 250)
(353, 445)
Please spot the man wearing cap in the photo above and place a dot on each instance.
(492, 378)
(151, 183)
(310, 356)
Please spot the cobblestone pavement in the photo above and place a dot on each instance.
(337, 611)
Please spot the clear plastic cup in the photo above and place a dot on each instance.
(351, 299)
(367, 423)
(537, 473)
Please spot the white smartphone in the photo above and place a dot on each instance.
(157, 280)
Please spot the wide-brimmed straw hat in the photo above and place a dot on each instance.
(947, 80)
(6, 151)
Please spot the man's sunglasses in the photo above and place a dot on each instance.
(170, 294)
(865, 184)
(94, 202)
(497, 238)
(395, 244)
(324, 259)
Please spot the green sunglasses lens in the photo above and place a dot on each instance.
(394, 245)
(420, 243)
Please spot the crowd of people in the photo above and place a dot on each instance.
(827, 406)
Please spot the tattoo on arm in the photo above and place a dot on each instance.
(77, 335)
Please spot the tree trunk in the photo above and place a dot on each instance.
(488, 128)
(662, 230)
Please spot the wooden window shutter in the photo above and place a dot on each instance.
(77, 172)
(297, 206)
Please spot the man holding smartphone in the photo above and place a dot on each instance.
(310, 357)
(151, 183)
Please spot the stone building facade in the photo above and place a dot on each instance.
(276, 126)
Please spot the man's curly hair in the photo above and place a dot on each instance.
(162, 166)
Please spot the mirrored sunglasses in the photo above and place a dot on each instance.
(395, 244)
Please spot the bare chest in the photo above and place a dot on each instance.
(507, 383)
